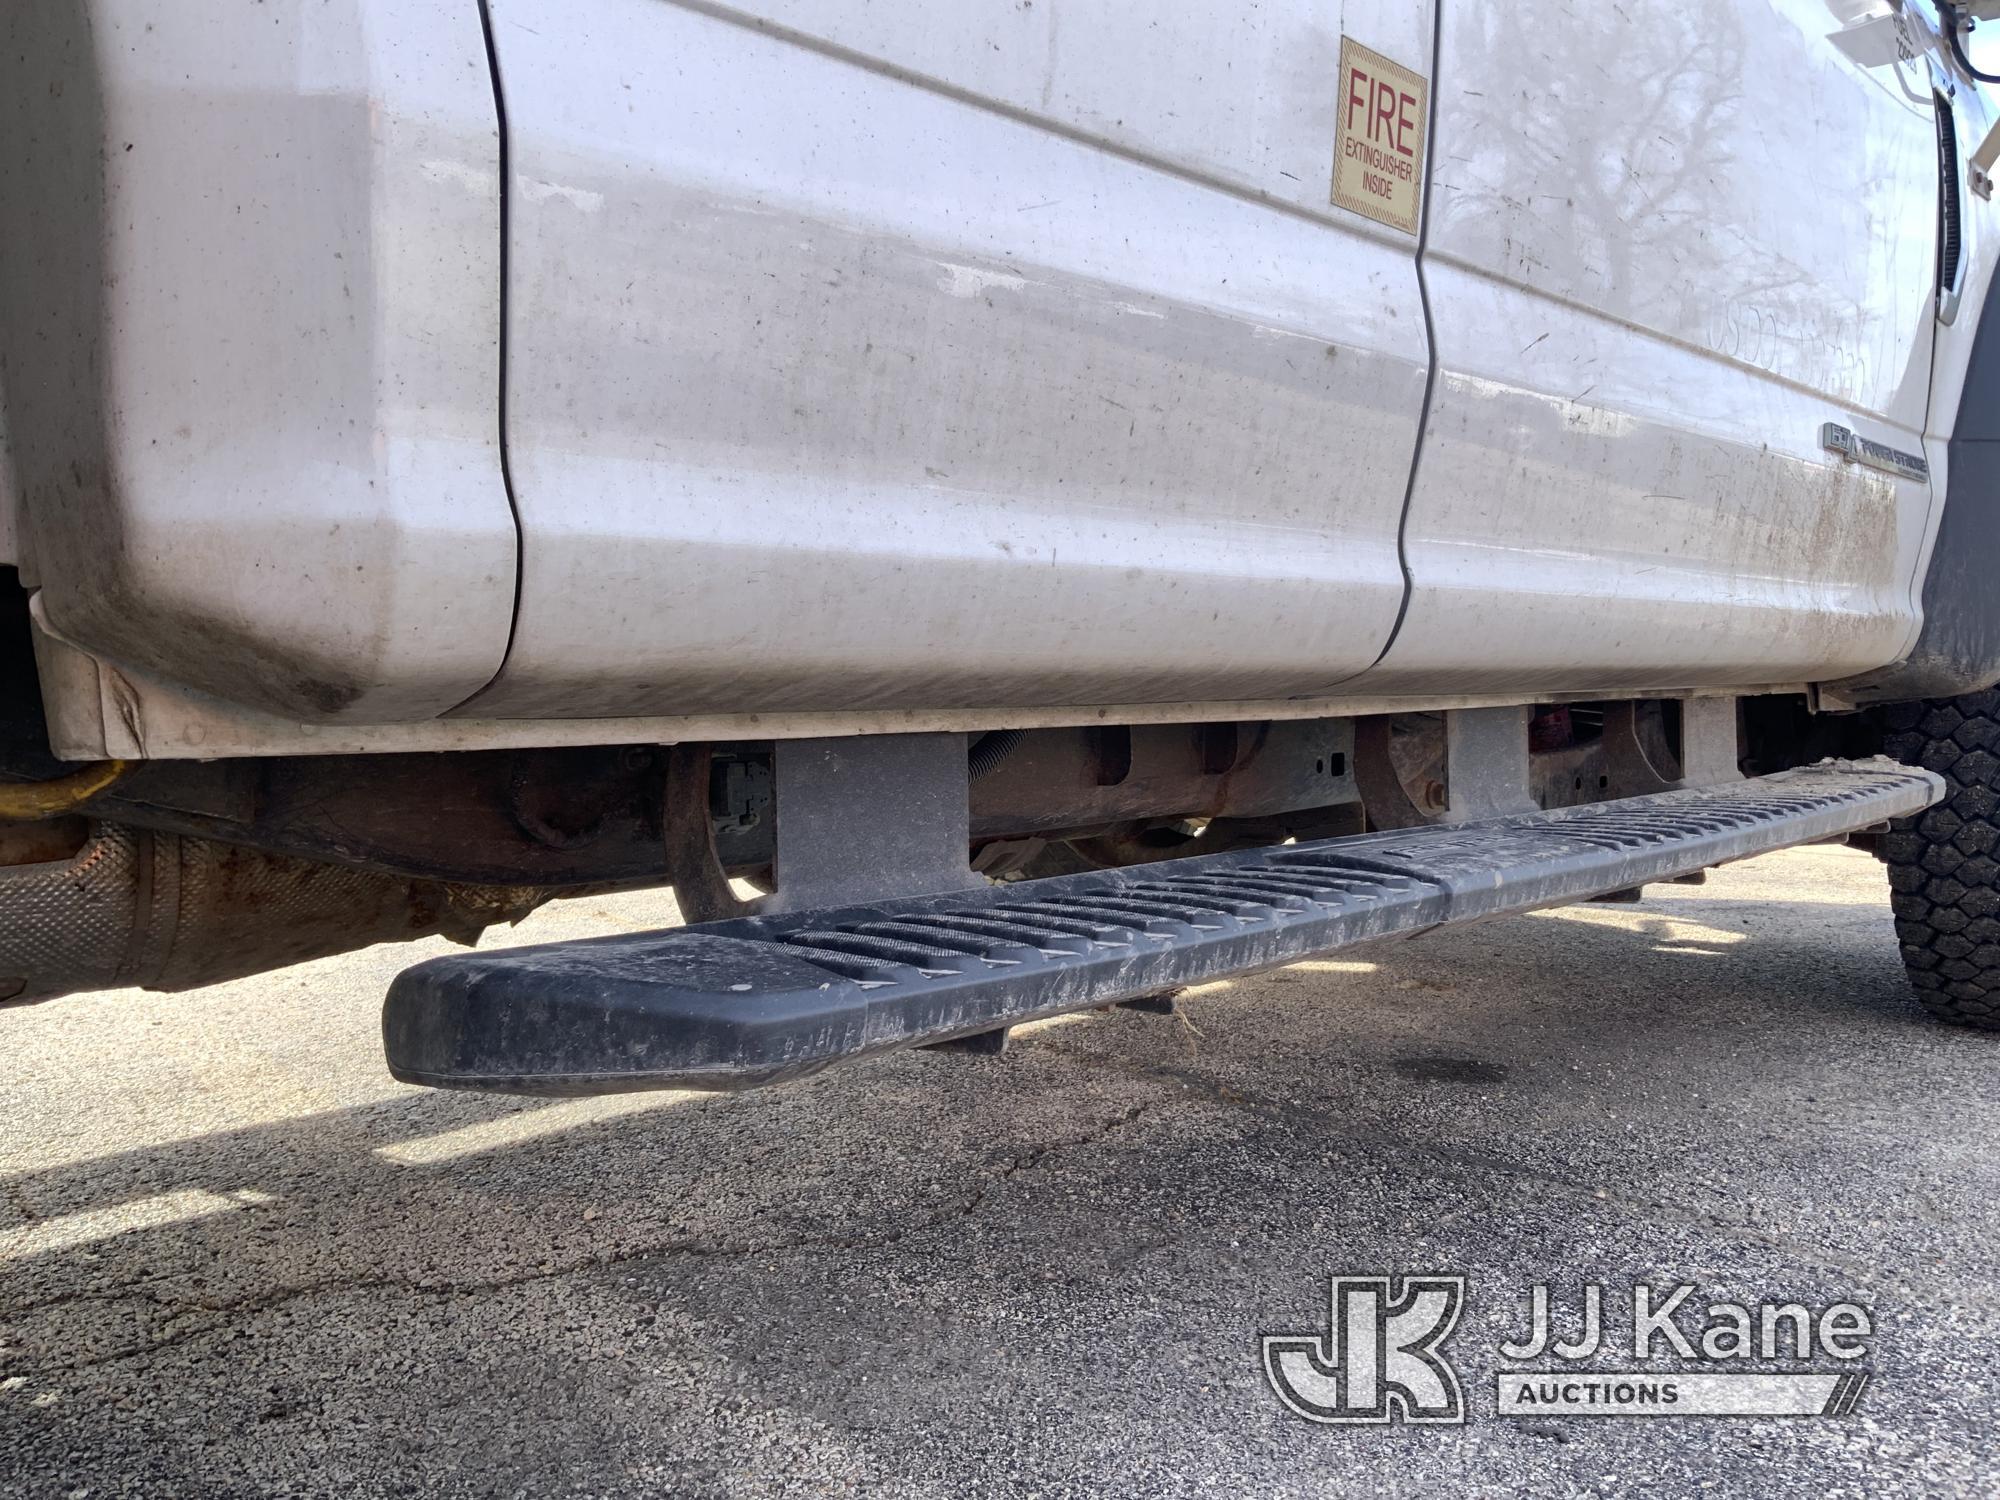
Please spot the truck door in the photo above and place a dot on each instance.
(1675, 251)
(903, 355)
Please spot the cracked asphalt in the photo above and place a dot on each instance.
(236, 1259)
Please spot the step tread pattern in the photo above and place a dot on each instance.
(735, 1003)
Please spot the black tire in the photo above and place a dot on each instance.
(1944, 865)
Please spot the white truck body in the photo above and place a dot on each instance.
(891, 366)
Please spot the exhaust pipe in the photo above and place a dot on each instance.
(105, 906)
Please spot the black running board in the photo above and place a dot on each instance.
(734, 1004)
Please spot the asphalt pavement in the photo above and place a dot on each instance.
(237, 1259)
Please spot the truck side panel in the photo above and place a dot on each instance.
(1667, 244)
(249, 318)
(915, 367)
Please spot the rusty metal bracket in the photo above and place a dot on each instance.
(1382, 791)
(1708, 755)
(701, 886)
(1635, 768)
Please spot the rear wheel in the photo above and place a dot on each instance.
(1944, 864)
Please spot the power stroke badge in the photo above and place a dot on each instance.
(1382, 1356)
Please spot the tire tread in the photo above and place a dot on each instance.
(1944, 883)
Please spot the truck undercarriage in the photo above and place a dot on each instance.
(1060, 853)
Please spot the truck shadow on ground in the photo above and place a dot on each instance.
(1595, 1086)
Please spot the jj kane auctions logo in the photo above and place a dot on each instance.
(1382, 1356)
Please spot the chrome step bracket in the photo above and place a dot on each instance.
(735, 1004)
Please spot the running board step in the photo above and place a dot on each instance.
(734, 1004)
